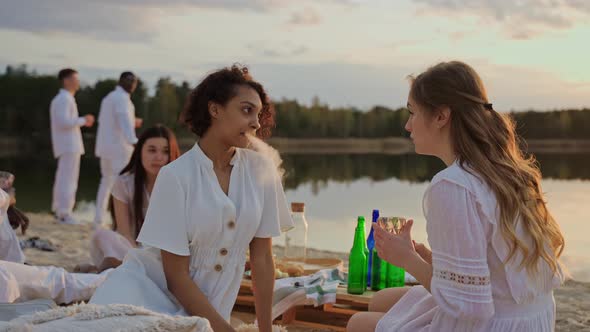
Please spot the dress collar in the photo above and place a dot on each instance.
(205, 161)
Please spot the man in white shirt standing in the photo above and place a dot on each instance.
(66, 139)
(115, 138)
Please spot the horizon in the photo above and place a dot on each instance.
(531, 55)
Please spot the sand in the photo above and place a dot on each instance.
(72, 241)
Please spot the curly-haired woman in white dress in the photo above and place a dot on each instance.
(207, 209)
(495, 246)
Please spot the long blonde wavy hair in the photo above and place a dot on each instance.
(486, 141)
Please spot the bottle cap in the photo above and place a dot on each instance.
(297, 207)
(375, 215)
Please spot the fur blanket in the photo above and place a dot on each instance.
(113, 317)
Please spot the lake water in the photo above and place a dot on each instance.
(338, 188)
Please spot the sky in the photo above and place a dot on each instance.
(531, 54)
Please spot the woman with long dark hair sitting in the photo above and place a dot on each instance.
(156, 147)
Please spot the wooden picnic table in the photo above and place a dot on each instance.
(333, 315)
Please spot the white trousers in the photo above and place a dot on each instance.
(19, 282)
(65, 184)
(109, 170)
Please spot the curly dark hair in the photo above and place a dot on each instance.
(219, 87)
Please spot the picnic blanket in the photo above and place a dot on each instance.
(316, 289)
(112, 317)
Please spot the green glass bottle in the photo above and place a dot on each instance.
(396, 276)
(366, 248)
(357, 260)
(378, 272)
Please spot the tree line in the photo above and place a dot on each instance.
(25, 97)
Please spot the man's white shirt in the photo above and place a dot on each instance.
(66, 136)
(116, 122)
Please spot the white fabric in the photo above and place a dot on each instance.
(48, 282)
(9, 290)
(9, 246)
(471, 288)
(124, 189)
(109, 171)
(10, 311)
(65, 124)
(65, 183)
(94, 318)
(190, 215)
(115, 135)
(108, 243)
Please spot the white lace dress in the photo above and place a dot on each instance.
(471, 289)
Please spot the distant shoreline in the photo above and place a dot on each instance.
(16, 146)
(395, 145)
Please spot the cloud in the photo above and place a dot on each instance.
(523, 19)
(405, 43)
(276, 51)
(106, 21)
(364, 86)
(113, 20)
(126, 20)
(256, 5)
(308, 16)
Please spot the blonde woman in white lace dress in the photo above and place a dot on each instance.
(495, 246)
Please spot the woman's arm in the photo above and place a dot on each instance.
(194, 302)
(122, 220)
(420, 269)
(263, 280)
(108, 263)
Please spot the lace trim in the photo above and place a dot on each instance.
(462, 278)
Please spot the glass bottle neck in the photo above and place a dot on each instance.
(359, 235)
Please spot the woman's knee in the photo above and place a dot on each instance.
(363, 321)
(383, 300)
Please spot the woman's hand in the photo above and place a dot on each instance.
(397, 249)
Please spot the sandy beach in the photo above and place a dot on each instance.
(72, 241)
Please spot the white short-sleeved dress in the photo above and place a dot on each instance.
(108, 243)
(189, 215)
(471, 288)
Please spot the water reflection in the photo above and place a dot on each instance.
(34, 176)
(319, 169)
(337, 188)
